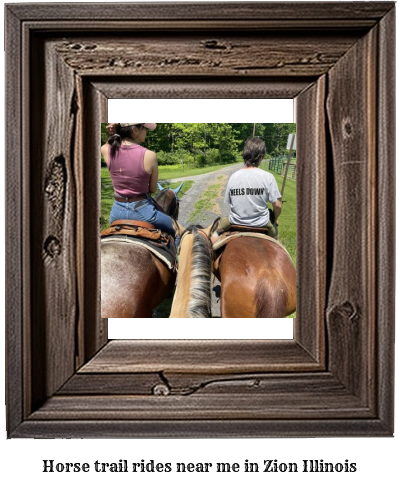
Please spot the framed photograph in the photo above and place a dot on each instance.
(65, 378)
(194, 158)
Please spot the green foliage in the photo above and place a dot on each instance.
(104, 133)
(207, 144)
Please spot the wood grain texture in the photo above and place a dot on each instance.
(351, 109)
(94, 330)
(53, 245)
(16, 238)
(200, 356)
(277, 11)
(192, 428)
(61, 73)
(311, 254)
(176, 87)
(385, 218)
(217, 55)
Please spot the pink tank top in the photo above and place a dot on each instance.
(128, 175)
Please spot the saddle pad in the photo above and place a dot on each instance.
(225, 238)
(165, 252)
(243, 228)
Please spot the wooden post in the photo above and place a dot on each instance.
(288, 164)
(253, 134)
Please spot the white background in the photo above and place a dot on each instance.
(376, 458)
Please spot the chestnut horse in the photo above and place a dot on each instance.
(133, 280)
(258, 279)
(192, 298)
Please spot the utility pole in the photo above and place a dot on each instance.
(291, 145)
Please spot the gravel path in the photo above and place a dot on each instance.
(202, 182)
(219, 208)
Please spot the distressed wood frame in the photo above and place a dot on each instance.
(64, 379)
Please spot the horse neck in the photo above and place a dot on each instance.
(181, 297)
(193, 292)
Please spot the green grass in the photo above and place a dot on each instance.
(107, 195)
(287, 219)
(206, 201)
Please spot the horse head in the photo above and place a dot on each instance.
(168, 200)
(176, 191)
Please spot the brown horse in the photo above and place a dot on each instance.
(133, 280)
(258, 279)
(192, 298)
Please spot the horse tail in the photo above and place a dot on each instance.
(271, 296)
(199, 305)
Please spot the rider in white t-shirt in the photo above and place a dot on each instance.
(249, 190)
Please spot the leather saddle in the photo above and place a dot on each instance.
(159, 243)
(135, 228)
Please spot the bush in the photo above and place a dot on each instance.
(211, 157)
(172, 158)
(229, 156)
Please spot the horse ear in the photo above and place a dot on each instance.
(160, 187)
(178, 189)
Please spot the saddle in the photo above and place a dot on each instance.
(134, 228)
(159, 243)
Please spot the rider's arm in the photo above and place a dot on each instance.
(277, 207)
(111, 128)
(151, 167)
(104, 152)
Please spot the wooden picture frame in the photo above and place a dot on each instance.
(335, 378)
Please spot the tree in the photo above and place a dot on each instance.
(208, 143)
(276, 136)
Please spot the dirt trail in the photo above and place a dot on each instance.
(202, 183)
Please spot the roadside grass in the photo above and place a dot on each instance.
(206, 201)
(287, 220)
(107, 195)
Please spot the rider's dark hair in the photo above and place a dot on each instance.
(254, 151)
(115, 141)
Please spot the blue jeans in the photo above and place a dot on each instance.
(142, 210)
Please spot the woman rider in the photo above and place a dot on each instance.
(134, 174)
(249, 190)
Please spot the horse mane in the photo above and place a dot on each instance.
(199, 305)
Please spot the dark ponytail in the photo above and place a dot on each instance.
(115, 141)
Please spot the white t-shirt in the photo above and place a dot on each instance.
(248, 191)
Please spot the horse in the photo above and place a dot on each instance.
(192, 298)
(257, 276)
(133, 280)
